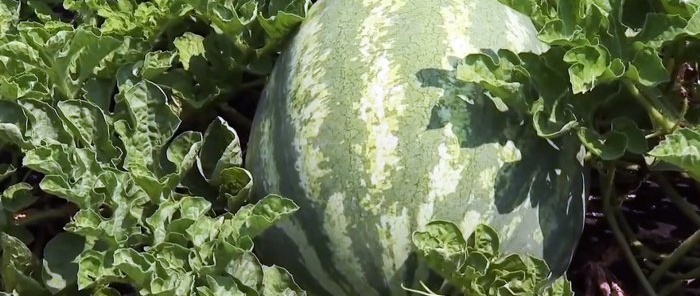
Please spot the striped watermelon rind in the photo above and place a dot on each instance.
(359, 127)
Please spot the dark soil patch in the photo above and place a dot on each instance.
(599, 266)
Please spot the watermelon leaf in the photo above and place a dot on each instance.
(624, 136)
(59, 265)
(476, 267)
(103, 111)
(17, 263)
(592, 51)
(681, 149)
(6, 170)
(602, 56)
(17, 197)
(124, 170)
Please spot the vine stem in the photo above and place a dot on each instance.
(608, 192)
(671, 288)
(693, 274)
(688, 244)
(681, 203)
(252, 84)
(232, 115)
(655, 115)
(38, 216)
(632, 239)
(675, 256)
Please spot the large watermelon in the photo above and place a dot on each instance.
(359, 127)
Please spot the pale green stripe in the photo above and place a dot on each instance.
(359, 135)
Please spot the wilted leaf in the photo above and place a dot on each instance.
(222, 285)
(95, 266)
(441, 237)
(484, 240)
(71, 173)
(69, 56)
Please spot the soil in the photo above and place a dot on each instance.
(599, 266)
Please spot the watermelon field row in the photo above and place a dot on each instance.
(346, 148)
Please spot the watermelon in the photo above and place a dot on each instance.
(363, 127)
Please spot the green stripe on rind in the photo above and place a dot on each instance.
(342, 131)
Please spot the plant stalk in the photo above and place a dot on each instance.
(692, 274)
(672, 287)
(675, 256)
(610, 216)
(252, 84)
(233, 116)
(650, 255)
(681, 203)
(37, 216)
(654, 114)
(645, 251)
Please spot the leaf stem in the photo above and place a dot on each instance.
(609, 178)
(654, 114)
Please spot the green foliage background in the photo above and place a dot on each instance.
(101, 107)
(120, 175)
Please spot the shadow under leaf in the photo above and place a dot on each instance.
(547, 174)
